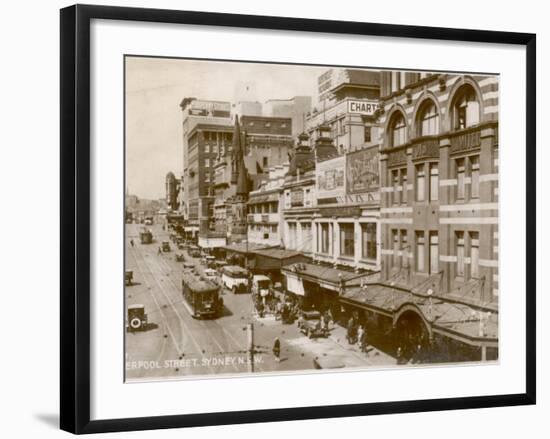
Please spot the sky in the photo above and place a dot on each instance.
(154, 90)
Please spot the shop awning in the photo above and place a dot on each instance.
(276, 258)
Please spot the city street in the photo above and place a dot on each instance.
(176, 344)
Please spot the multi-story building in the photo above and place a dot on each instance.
(296, 108)
(172, 186)
(265, 143)
(264, 219)
(439, 197)
(207, 130)
(348, 104)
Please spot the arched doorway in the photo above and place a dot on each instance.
(412, 334)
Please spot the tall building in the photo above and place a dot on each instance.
(172, 191)
(296, 108)
(347, 103)
(207, 131)
(439, 198)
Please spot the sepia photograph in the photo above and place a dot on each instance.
(284, 218)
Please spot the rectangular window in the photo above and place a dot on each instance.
(434, 253)
(324, 238)
(474, 166)
(347, 245)
(368, 241)
(207, 148)
(395, 182)
(459, 253)
(420, 186)
(215, 148)
(419, 256)
(434, 182)
(367, 134)
(474, 254)
(460, 169)
(292, 235)
(394, 81)
(395, 238)
(404, 190)
(404, 249)
(206, 163)
(264, 162)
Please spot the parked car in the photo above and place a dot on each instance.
(129, 277)
(310, 324)
(137, 318)
(165, 246)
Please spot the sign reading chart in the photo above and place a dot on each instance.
(362, 107)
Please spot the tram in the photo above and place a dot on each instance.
(201, 295)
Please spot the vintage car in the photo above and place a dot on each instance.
(208, 261)
(180, 257)
(129, 277)
(137, 319)
(165, 246)
(145, 236)
(212, 275)
(261, 285)
(195, 252)
(235, 278)
(310, 324)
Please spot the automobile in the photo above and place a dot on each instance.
(261, 285)
(219, 264)
(235, 279)
(195, 252)
(165, 246)
(208, 261)
(310, 324)
(189, 266)
(180, 257)
(212, 275)
(145, 236)
(129, 277)
(137, 318)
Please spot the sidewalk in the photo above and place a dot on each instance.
(374, 357)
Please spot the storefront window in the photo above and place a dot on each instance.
(474, 166)
(347, 244)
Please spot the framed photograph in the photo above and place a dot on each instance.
(273, 218)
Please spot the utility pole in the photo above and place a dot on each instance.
(250, 330)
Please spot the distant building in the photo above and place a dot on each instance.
(348, 104)
(296, 108)
(172, 189)
(207, 131)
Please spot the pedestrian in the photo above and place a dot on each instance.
(360, 332)
(364, 343)
(277, 349)
(132, 242)
(159, 252)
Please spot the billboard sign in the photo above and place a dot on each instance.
(362, 171)
(330, 176)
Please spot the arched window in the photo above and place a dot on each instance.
(428, 119)
(398, 130)
(465, 108)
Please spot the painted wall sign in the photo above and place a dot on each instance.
(362, 171)
(330, 176)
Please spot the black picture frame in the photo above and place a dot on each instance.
(75, 217)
